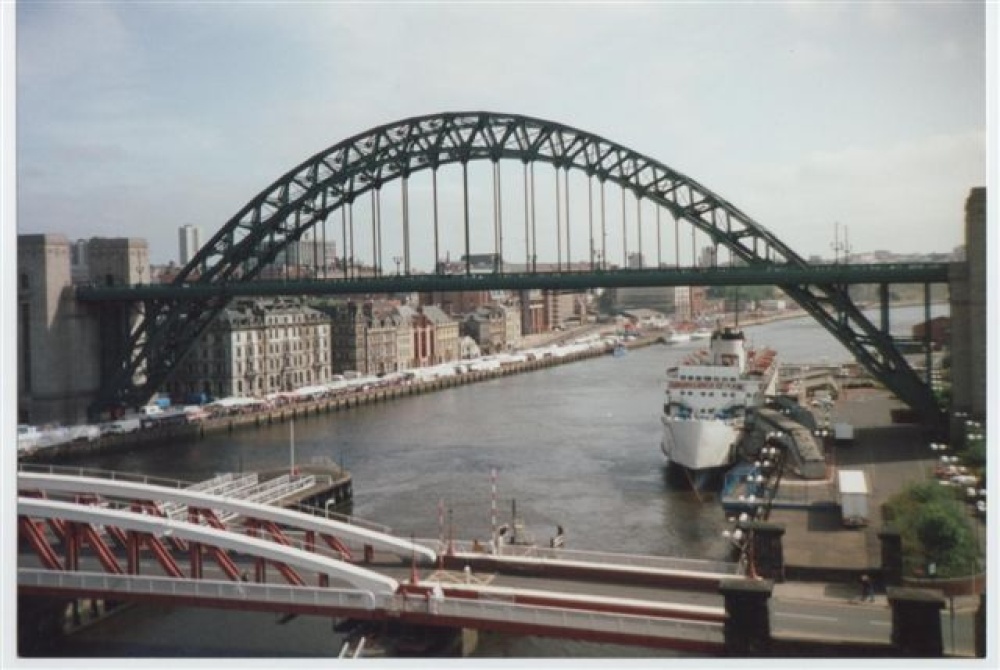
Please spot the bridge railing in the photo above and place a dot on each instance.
(222, 485)
(199, 588)
(668, 563)
(569, 619)
(273, 490)
(343, 518)
(351, 599)
(104, 474)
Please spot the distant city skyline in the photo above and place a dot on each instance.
(190, 242)
(805, 116)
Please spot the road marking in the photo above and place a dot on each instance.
(807, 616)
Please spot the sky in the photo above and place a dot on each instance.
(136, 118)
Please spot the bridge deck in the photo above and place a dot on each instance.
(543, 603)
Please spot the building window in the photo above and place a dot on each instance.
(25, 283)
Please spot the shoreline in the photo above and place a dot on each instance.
(242, 418)
(239, 419)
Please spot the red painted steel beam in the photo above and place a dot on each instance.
(31, 531)
(100, 547)
(225, 563)
(195, 514)
(337, 545)
(163, 557)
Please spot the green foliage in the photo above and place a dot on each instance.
(943, 397)
(974, 454)
(928, 492)
(933, 528)
(938, 531)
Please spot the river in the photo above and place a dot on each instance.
(576, 445)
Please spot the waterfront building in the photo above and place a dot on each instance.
(464, 302)
(564, 308)
(674, 300)
(494, 328)
(445, 334)
(189, 242)
(512, 326)
(404, 340)
(435, 335)
(486, 326)
(364, 339)
(256, 347)
(532, 312)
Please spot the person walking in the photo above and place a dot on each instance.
(867, 589)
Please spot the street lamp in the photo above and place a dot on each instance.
(398, 260)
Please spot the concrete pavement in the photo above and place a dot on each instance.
(823, 559)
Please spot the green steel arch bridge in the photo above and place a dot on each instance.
(343, 186)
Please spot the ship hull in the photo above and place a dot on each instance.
(699, 445)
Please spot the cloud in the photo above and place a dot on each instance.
(907, 196)
(766, 104)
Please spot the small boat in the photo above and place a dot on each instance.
(676, 337)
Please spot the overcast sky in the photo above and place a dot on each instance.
(135, 118)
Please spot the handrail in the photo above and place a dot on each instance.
(470, 611)
(514, 551)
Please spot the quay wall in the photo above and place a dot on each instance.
(244, 419)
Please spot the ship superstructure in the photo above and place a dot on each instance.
(707, 398)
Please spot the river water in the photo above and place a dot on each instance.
(576, 445)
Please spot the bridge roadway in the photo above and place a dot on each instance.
(603, 597)
(742, 275)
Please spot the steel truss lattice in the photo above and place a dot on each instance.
(306, 195)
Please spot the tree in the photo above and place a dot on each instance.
(934, 529)
(938, 532)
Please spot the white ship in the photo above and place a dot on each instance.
(707, 399)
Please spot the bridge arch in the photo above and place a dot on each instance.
(307, 194)
(342, 173)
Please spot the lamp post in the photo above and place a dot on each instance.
(397, 260)
(291, 419)
(451, 534)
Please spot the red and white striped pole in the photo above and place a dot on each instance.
(493, 505)
(441, 523)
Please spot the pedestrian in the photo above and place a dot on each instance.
(867, 589)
